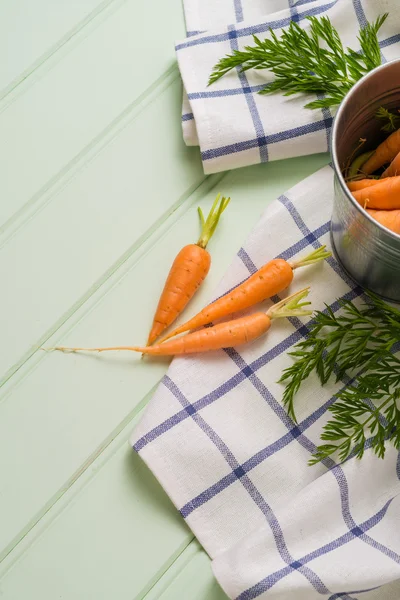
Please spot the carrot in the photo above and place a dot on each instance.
(385, 195)
(187, 273)
(224, 335)
(385, 153)
(354, 186)
(394, 167)
(271, 279)
(387, 218)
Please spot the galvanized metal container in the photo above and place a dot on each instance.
(369, 252)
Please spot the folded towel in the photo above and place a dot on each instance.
(218, 439)
(231, 122)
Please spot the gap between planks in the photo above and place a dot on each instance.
(54, 185)
(162, 581)
(57, 51)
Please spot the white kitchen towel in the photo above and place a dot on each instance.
(233, 124)
(217, 437)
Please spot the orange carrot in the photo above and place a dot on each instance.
(354, 186)
(187, 273)
(385, 195)
(385, 153)
(271, 279)
(387, 218)
(394, 167)
(224, 335)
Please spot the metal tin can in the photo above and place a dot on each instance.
(369, 252)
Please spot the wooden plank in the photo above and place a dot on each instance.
(189, 577)
(68, 393)
(75, 404)
(112, 535)
(50, 127)
(78, 405)
(30, 32)
(87, 228)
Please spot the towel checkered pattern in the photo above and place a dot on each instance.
(218, 439)
(215, 434)
(231, 122)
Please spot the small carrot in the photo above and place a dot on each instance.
(393, 169)
(385, 195)
(361, 184)
(387, 218)
(224, 335)
(271, 279)
(187, 273)
(385, 153)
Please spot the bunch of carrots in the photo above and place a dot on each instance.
(186, 275)
(379, 194)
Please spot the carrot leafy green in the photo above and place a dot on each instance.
(391, 121)
(313, 61)
(362, 345)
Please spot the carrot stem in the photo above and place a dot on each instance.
(202, 219)
(209, 225)
(291, 306)
(351, 157)
(315, 257)
(355, 169)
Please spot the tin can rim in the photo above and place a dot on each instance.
(335, 159)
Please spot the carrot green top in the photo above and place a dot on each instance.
(355, 169)
(208, 226)
(292, 306)
(315, 257)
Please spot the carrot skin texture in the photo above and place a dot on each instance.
(355, 186)
(384, 153)
(223, 335)
(394, 167)
(187, 273)
(387, 218)
(271, 279)
(385, 195)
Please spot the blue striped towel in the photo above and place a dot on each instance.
(216, 436)
(233, 125)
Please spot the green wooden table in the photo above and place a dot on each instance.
(98, 192)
